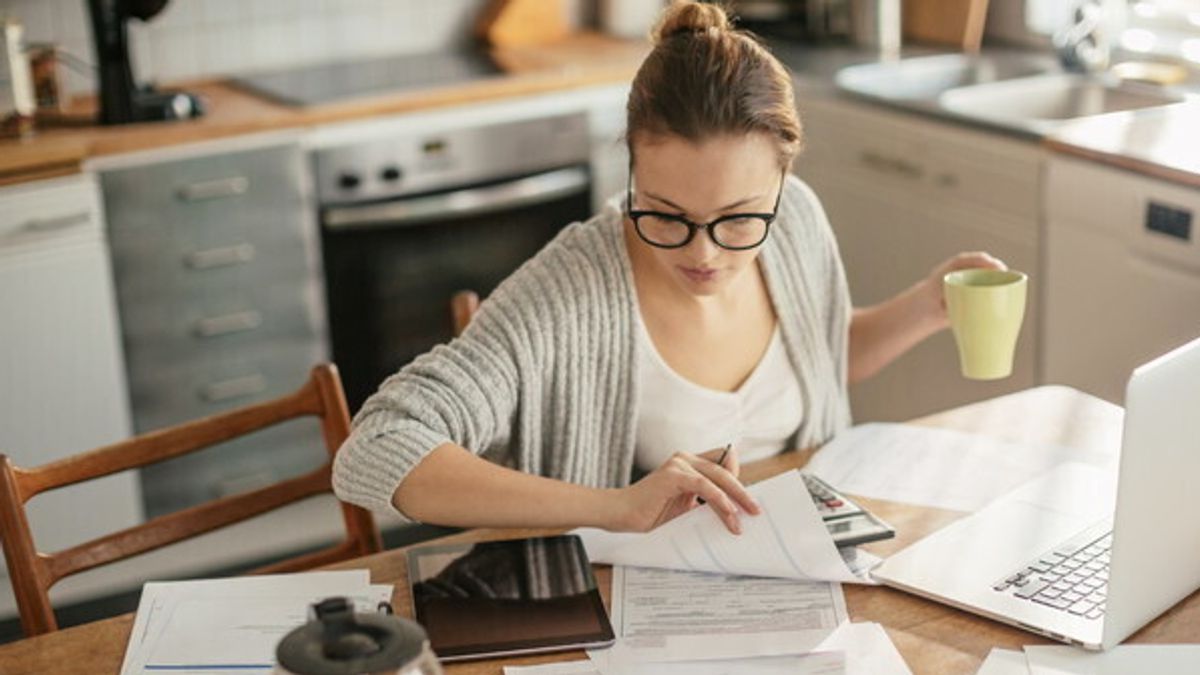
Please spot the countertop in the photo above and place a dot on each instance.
(1159, 142)
(58, 148)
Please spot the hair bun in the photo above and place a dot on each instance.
(688, 17)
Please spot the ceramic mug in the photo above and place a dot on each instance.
(986, 308)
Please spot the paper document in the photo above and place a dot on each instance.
(1178, 659)
(941, 468)
(232, 624)
(788, 539)
(868, 649)
(1004, 662)
(824, 663)
(670, 615)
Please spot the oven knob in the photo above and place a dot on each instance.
(349, 181)
(390, 173)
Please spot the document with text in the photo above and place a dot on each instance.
(672, 615)
(788, 540)
(942, 468)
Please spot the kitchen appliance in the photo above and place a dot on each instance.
(803, 20)
(333, 82)
(1122, 279)
(410, 219)
(121, 100)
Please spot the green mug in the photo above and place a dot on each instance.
(986, 308)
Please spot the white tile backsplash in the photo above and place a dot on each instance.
(193, 39)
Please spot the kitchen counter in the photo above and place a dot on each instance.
(1160, 142)
(58, 148)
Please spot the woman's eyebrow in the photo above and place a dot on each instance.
(673, 205)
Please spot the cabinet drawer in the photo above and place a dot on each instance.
(208, 199)
(179, 270)
(49, 210)
(179, 391)
(167, 332)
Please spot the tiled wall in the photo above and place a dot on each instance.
(198, 38)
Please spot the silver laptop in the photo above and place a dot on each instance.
(1080, 554)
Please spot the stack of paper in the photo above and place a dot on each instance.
(938, 467)
(788, 540)
(1178, 659)
(691, 597)
(232, 624)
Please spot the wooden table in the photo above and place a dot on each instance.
(932, 638)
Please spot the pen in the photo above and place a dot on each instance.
(720, 462)
(721, 459)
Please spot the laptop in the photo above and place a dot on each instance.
(1084, 555)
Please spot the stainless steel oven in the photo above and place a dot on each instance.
(408, 221)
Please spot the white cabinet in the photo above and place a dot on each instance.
(1123, 273)
(62, 383)
(903, 194)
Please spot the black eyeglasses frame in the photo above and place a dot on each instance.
(693, 227)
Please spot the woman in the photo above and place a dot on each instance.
(708, 311)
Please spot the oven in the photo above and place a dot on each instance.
(409, 220)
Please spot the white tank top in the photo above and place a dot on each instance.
(676, 414)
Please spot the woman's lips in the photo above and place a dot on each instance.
(699, 274)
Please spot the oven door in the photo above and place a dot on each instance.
(392, 267)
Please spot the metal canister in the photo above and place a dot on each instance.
(339, 641)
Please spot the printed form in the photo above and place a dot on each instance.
(669, 615)
(788, 540)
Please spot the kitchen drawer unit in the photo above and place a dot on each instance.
(216, 264)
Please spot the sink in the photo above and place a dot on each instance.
(926, 77)
(1012, 90)
(1045, 99)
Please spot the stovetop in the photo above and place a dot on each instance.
(333, 82)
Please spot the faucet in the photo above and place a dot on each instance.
(1084, 45)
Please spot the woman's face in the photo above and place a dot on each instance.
(703, 181)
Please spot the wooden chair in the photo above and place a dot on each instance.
(34, 572)
(463, 306)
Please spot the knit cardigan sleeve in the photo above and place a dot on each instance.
(522, 379)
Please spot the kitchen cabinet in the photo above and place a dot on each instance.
(1122, 273)
(216, 261)
(62, 377)
(904, 193)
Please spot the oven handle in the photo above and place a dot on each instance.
(467, 202)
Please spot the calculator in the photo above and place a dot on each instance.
(848, 523)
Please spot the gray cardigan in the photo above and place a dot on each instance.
(543, 379)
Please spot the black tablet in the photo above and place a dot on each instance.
(495, 598)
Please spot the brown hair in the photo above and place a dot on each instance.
(704, 78)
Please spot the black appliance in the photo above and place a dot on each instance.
(408, 220)
(121, 100)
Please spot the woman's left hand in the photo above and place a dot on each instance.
(932, 291)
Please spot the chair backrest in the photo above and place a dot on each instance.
(33, 572)
(463, 306)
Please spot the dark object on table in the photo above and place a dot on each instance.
(337, 641)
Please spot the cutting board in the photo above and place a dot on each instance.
(520, 23)
(953, 23)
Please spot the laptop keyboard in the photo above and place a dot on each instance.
(1073, 577)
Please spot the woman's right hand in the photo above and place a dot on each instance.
(678, 485)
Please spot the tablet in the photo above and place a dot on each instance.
(497, 598)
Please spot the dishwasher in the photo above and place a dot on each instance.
(1122, 274)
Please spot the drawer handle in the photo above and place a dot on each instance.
(238, 322)
(894, 165)
(53, 224)
(234, 387)
(215, 189)
(224, 256)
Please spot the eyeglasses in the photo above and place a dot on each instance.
(734, 231)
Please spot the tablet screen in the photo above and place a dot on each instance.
(507, 597)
